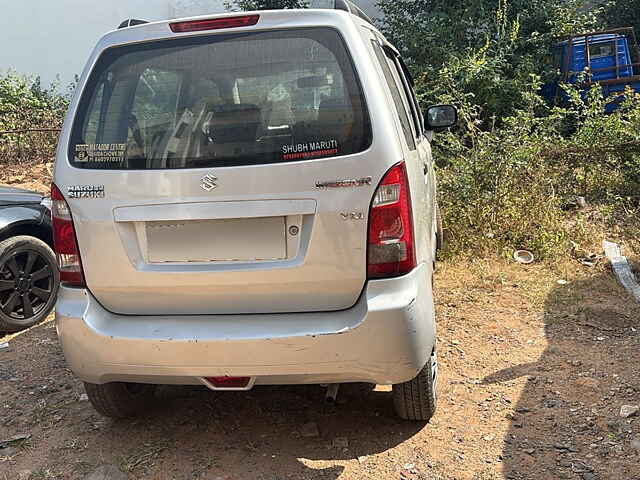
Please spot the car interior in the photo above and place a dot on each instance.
(227, 104)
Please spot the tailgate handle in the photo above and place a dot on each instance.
(215, 210)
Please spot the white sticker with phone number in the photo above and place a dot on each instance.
(100, 152)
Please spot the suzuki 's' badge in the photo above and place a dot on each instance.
(208, 182)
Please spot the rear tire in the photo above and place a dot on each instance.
(416, 399)
(120, 400)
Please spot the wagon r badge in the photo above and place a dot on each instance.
(354, 182)
(208, 182)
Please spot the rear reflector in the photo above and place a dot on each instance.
(65, 244)
(229, 382)
(214, 24)
(391, 250)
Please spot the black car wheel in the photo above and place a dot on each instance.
(28, 282)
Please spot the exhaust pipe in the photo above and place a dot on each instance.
(332, 393)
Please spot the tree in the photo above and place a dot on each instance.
(623, 13)
(488, 54)
(264, 4)
(430, 31)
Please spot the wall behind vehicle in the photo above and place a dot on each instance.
(53, 39)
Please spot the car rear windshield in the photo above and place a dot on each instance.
(221, 100)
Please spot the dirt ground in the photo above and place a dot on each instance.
(536, 363)
(533, 375)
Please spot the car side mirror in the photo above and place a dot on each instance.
(439, 117)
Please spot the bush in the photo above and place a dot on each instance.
(25, 105)
(515, 186)
(623, 13)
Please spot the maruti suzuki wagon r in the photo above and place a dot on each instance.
(247, 199)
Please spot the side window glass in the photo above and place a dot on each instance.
(392, 82)
(402, 86)
(406, 74)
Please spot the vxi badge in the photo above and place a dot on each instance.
(208, 182)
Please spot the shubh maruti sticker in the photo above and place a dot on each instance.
(310, 150)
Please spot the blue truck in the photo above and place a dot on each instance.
(610, 58)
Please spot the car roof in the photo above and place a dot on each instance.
(286, 18)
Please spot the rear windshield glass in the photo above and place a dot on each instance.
(221, 100)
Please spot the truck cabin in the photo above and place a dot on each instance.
(610, 58)
(602, 57)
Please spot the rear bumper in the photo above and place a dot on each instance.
(385, 338)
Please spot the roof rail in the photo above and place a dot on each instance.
(352, 8)
(621, 31)
(131, 22)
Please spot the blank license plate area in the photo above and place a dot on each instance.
(236, 239)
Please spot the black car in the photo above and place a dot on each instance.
(28, 269)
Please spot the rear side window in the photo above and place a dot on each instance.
(601, 50)
(407, 81)
(401, 108)
(223, 100)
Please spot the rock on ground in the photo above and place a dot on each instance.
(627, 411)
(107, 472)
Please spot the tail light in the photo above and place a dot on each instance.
(64, 241)
(214, 23)
(391, 246)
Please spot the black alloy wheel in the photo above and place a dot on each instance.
(28, 282)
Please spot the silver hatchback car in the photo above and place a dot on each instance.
(247, 199)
